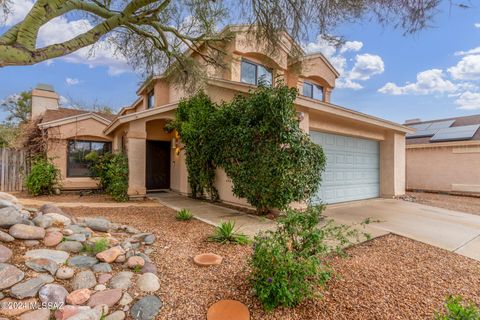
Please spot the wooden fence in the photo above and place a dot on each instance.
(13, 168)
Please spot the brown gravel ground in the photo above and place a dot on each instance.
(387, 278)
(75, 197)
(446, 201)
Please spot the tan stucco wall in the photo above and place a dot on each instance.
(450, 168)
(89, 129)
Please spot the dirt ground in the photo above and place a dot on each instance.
(75, 197)
(446, 201)
(387, 278)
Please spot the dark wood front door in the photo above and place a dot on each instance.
(158, 165)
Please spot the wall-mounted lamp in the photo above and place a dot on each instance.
(177, 151)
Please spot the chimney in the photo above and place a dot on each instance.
(410, 121)
(44, 98)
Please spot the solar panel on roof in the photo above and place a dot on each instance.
(455, 133)
(429, 129)
(441, 124)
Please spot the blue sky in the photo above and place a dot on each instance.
(432, 74)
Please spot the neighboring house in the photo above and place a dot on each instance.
(444, 155)
(365, 154)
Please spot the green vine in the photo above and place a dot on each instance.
(257, 140)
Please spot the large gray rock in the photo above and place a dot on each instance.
(148, 282)
(26, 232)
(9, 275)
(75, 228)
(10, 216)
(122, 280)
(50, 208)
(5, 254)
(77, 237)
(82, 262)
(59, 257)
(146, 308)
(30, 287)
(70, 246)
(5, 237)
(42, 265)
(8, 197)
(84, 280)
(102, 267)
(59, 219)
(53, 294)
(43, 221)
(98, 224)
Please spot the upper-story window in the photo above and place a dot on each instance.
(254, 73)
(150, 100)
(312, 90)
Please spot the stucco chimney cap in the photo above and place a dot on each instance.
(45, 87)
(410, 121)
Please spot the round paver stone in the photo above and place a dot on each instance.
(207, 259)
(228, 309)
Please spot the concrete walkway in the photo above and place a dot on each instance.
(214, 214)
(451, 230)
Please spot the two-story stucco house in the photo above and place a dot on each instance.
(365, 154)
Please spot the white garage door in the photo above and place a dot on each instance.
(352, 171)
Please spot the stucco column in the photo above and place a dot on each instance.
(136, 152)
(392, 165)
(327, 92)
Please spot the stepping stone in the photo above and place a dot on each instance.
(207, 259)
(228, 309)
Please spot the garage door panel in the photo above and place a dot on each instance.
(352, 168)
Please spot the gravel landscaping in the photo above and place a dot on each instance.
(76, 197)
(386, 278)
(447, 201)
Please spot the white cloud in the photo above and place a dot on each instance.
(477, 25)
(468, 52)
(468, 101)
(365, 65)
(466, 69)
(351, 46)
(428, 82)
(61, 29)
(72, 81)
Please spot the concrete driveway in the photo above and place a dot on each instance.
(451, 230)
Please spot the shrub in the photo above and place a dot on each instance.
(226, 233)
(288, 264)
(193, 123)
(96, 247)
(456, 309)
(257, 140)
(112, 172)
(43, 177)
(184, 215)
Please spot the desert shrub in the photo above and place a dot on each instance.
(226, 233)
(43, 177)
(111, 169)
(96, 247)
(457, 309)
(288, 264)
(184, 215)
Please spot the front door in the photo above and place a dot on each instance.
(158, 165)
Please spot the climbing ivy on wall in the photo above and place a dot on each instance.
(257, 140)
(193, 121)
